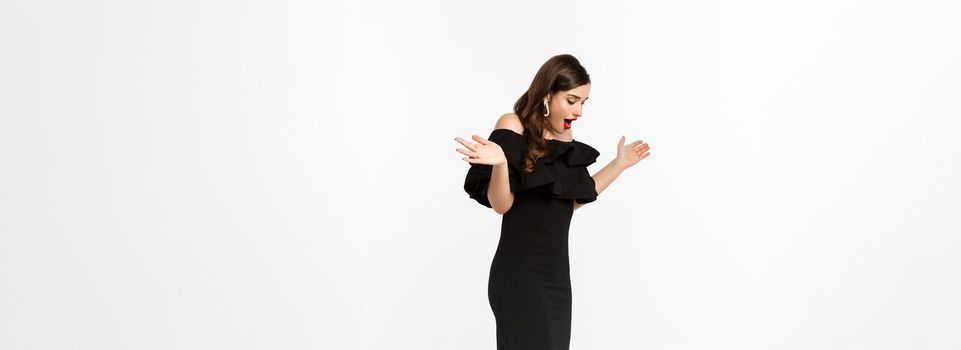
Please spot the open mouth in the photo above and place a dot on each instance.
(567, 123)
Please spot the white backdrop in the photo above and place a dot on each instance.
(283, 174)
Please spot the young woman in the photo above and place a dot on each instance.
(532, 171)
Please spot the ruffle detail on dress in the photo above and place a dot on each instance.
(561, 173)
(479, 175)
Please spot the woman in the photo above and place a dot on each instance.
(533, 172)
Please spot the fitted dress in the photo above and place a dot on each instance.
(529, 285)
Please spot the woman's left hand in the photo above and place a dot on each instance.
(630, 154)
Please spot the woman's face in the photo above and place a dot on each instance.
(566, 107)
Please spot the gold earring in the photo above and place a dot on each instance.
(547, 109)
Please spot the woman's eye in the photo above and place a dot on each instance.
(571, 102)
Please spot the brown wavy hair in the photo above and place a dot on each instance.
(559, 73)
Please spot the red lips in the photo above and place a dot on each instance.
(567, 123)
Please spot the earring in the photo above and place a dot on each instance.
(547, 109)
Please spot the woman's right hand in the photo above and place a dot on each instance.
(482, 152)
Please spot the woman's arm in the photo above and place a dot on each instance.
(604, 177)
(627, 156)
(499, 190)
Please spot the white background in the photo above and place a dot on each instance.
(283, 174)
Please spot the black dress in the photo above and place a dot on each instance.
(529, 286)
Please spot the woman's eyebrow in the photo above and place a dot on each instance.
(577, 96)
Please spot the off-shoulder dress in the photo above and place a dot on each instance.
(529, 286)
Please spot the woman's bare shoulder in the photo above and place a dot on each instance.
(510, 121)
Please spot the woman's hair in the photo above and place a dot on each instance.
(559, 73)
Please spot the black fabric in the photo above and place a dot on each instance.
(529, 286)
(562, 171)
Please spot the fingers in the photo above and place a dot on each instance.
(471, 151)
(480, 140)
(469, 145)
(642, 152)
(473, 160)
(466, 152)
(639, 147)
(632, 144)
